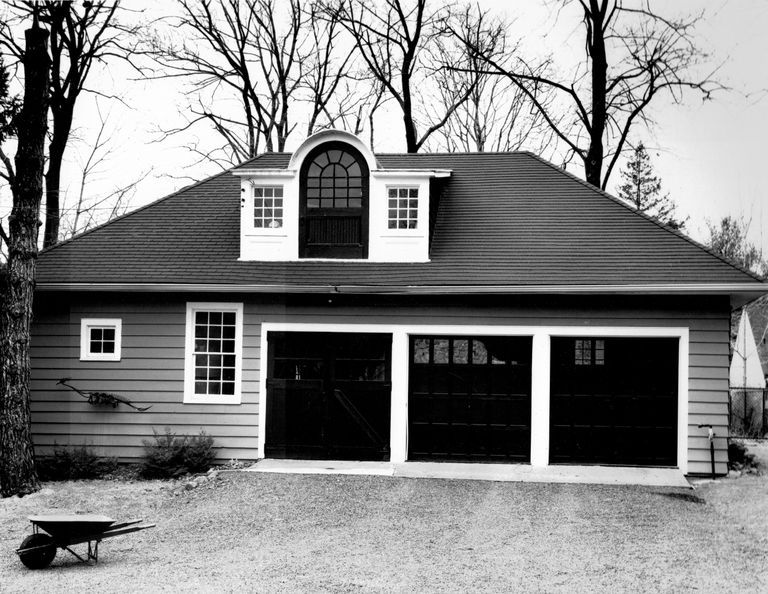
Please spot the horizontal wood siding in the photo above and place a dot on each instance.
(151, 370)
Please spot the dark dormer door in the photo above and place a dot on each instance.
(333, 214)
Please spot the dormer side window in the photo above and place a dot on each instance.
(268, 207)
(402, 207)
(333, 203)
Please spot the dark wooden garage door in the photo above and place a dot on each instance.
(328, 396)
(470, 398)
(614, 401)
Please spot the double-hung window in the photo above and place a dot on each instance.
(268, 207)
(100, 339)
(213, 357)
(403, 208)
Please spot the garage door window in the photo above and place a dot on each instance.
(589, 352)
(463, 351)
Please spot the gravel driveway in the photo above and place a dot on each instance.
(271, 533)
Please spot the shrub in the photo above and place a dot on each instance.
(739, 457)
(72, 463)
(171, 456)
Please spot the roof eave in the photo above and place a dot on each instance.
(746, 290)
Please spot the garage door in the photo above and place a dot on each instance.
(614, 401)
(328, 396)
(469, 398)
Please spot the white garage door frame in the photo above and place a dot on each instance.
(540, 373)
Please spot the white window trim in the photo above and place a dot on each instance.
(540, 388)
(278, 231)
(85, 339)
(387, 232)
(189, 354)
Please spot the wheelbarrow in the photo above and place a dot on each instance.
(64, 531)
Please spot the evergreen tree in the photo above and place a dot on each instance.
(642, 189)
(728, 238)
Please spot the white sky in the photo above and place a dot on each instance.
(711, 156)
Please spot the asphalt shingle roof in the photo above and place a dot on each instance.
(505, 219)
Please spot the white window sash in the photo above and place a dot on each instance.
(189, 354)
(397, 219)
(85, 338)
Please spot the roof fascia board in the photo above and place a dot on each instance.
(376, 172)
(411, 172)
(650, 289)
(265, 172)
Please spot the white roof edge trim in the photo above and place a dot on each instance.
(323, 136)
(375, 172)
(662, 289)
(265, 173)
(412, 172)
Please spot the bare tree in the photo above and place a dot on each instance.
(337, 97)
(235, 52)
(497, 115)
(257, 69)
(632, 55)
(81, 36)
(17, 281)
(397, 42)
(89, 210)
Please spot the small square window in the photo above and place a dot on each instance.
(268, 207)
(100, 339)
(402, 204)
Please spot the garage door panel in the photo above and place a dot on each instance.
(469, 398)
(328, 396)
(614, 401)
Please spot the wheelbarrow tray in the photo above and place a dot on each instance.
(66, 527)
(68, 530)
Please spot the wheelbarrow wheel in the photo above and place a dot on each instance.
(43, 553)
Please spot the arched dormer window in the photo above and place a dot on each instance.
(333, 206)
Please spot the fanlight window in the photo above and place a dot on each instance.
(334, 180)
(334, 205)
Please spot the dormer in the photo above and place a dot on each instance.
(333, 201)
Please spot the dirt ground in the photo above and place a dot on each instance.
(349, 533)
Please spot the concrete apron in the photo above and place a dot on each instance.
(599, 475)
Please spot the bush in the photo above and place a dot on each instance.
(739, 457)
(171, 456)
(72, 463)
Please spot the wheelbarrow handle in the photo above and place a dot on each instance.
(124, 524)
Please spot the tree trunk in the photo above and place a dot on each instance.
(61, 127)
(17, 462)
(411, 142)
(593, 162)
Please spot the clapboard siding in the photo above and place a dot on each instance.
(151, 370)
(156, 417)
(132, 453)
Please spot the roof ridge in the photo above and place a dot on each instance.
(647, 217)
(136, 211)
